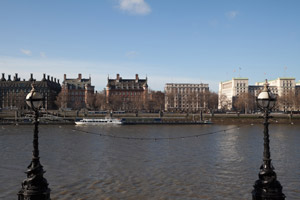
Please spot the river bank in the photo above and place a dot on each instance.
(154, 118)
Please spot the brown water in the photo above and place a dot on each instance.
(82, 166)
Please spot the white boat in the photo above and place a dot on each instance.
(98, 121)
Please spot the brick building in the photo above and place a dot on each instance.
(131, 93)
(13, 91)
(77, 91)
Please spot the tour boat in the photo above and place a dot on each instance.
(99, 121)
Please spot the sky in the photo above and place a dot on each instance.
(169, 41)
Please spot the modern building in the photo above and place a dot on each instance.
(77, 91)
(185, 96)
(13, 91)
(127, 91)
(229, 90)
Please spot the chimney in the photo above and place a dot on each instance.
(55, 80)
(48, 78)
(24, 79)
(9, 78)
(51, 78)
(118, 76)
(16, 77)
(136, 77)
(65, 77)
(3, 77)
(31, 77)
(44, 77)
(79, 76)
(58, 81)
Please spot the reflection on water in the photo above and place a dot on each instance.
(224, 165)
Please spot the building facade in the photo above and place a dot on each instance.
(130, 94)
(230, 90)
(13, 91)
(185, 96)
(77, 92)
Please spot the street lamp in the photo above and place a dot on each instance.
(35, 186)
(267, 187)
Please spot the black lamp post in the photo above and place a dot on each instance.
(35, 186)
(267, 187)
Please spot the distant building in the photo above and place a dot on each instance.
(13, 91)
(185, 96)
(127, 91)
(229, 90)
(77, 91)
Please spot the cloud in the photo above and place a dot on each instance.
(136, 7)
(26, 52)
(232, 14)
(43, 55)
(131, 54)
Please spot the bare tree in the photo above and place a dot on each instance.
(78, 104)
(100, 101)
(62, 100)
(91, 101)
(170, 100)
(155, 101)
(289, 101)
(212, 100)
(224, 102)
(245, 102)
(115, 102)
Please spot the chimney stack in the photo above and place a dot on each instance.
(9, 78)
(51, 78)
(79, 76)
(31, 77)
(58, 81)
(136, 77)
(3, 77)
(48, 78)
(118, 76)
(16, 77)
(65, 77)
(55, 80)
(44, 77)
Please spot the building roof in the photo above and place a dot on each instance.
(27, 84)
(130, 83)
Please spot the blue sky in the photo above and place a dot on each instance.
(190, 41)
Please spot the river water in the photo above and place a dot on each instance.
(86, 166)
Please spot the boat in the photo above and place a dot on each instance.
(86, 121)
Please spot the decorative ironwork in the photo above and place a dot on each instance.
(35, 186)
(267, 187)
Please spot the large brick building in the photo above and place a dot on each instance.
(13, 91)
(77, 92)
(127, 92)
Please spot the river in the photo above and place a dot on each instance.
(81, 164)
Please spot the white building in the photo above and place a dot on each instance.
(228, 90)
(185, 96)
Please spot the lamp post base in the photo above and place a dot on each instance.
(34, 195)
(267, 187)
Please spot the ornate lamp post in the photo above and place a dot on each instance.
(35, 186)
(267, 187)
